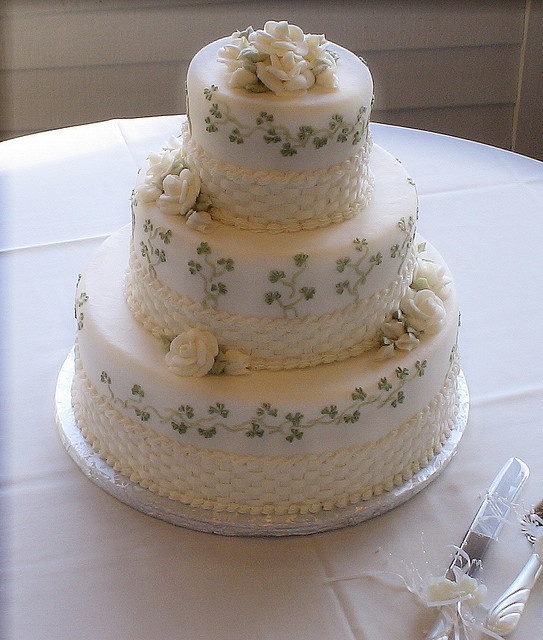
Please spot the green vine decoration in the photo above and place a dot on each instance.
(80, 300)
(152, 253)
(294, 294)
(401, 250)
(209, 271)
(290, 143)
(360, 268)
(266, 419)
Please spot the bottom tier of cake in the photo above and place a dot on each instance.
(269, 442)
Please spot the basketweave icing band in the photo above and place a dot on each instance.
(275, 201)
(272, 343)
(271, 484)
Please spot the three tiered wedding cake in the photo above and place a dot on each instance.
(269, 335)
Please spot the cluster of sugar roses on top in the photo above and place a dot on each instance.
(278, 58)
(421, 309)
(174, 188)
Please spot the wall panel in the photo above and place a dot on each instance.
(444, 65)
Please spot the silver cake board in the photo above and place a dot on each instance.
(235, 524)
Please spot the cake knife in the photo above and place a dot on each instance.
(485, 527)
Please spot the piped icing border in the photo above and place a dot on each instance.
(262, 484)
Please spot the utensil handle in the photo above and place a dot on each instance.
(505, 614)
(442, 628)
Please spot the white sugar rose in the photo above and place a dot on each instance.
(147, 192)
(180, 192)
(236, 363)
(175, 143)
(240, 58)
(393, 329)
(395, 336)
(407, 342)
(429, 275)
(192, 353)
(424, 311)
(385, 352)
(279, 38)
(464, 588)
(327, 78)
(286, 73)
(323, 63)
(163, 163)
(200, 221)
(231, 363)
(230, 54)
(242, 78)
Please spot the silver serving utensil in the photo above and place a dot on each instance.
(505, 614)
(485, 527)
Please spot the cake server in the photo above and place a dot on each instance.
(505, 614)
(485, 527)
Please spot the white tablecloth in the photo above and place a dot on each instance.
(79, 564)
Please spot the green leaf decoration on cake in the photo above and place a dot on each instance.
(330, 411)
(273, 133)
(256, 431)
(400, 251)
(266, 420)
(218, 409)
(271, 136)
(305, 133)
(291, 294)
(236, 136)
(351, 418)
(209, 270)
(80, 300)
(288, 150)
(266, 410)
(137, 391)
(295, 434)
(264, 117)
(358, 268)
(384, 384)
(421, 366)
(180, 427)
(208, 433)
(320, 141)
(143, 415)
(150, 249)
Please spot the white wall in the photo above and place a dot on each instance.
(467, 68)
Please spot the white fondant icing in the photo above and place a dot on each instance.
(234, 125)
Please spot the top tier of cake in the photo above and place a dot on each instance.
(292, 152)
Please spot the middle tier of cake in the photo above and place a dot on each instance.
(285, 300)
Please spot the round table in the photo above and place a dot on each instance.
(80, 564)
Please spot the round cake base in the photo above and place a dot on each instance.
(235, 524)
